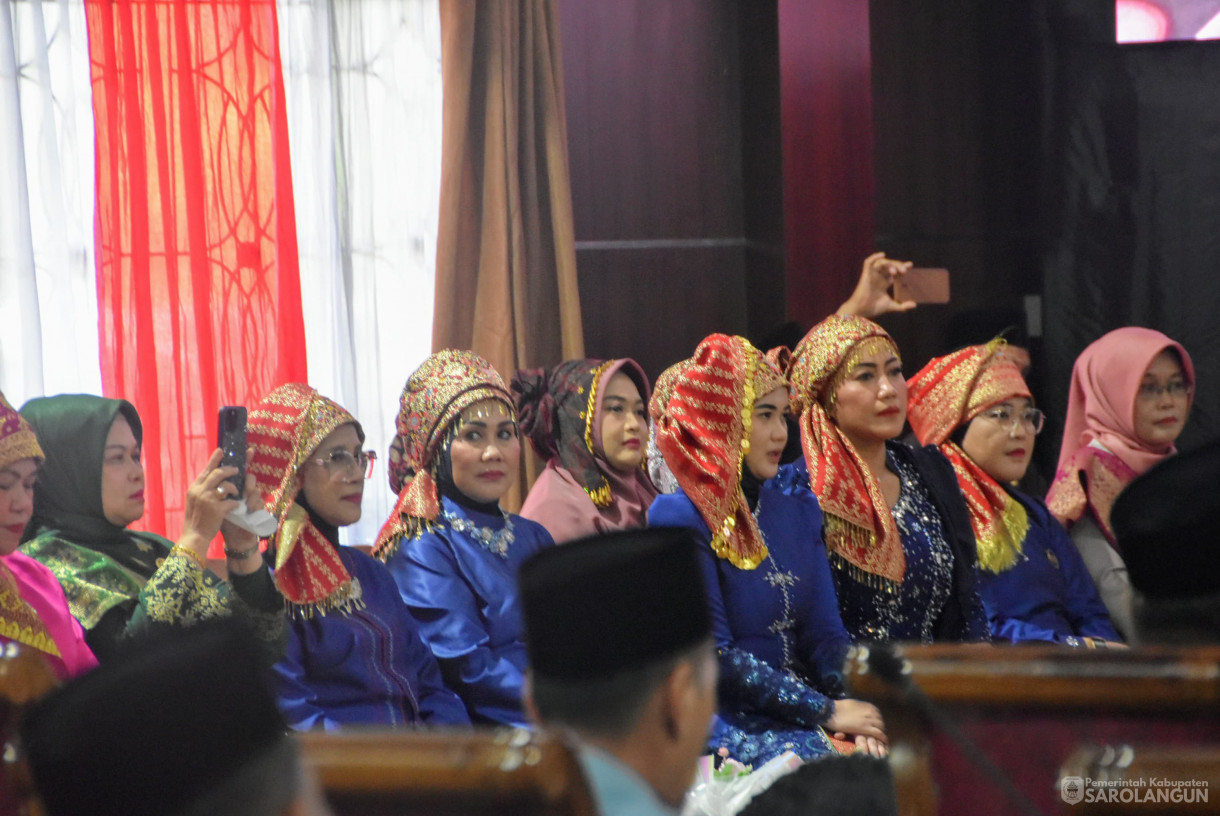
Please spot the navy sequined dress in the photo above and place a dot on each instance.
(778, 634)
(938, 599)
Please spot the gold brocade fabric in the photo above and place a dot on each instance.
(999, 521)
(93, 583)
(18, 620)
(946, 394)
(664, 389)
(859, 527)
(183, 593)
(17, 439)
(704, 435)
(1091, 480)
(284, 429)
(434, 397)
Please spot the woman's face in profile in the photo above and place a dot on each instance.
(122, 475)
(332, 478)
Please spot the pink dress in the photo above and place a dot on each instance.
(53, 629)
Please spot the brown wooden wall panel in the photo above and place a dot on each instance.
(656, 305)
(827, 150)
(652, 92)
(674, 150)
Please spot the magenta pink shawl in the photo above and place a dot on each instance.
(40, 589)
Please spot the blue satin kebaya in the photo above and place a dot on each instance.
(1048, 594)
(778, 633)
(460, 582)
(363, 666)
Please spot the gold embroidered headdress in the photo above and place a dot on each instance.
(436, 394)
(18, 620)
(859, 529)
(284, 429)
(704, 434)
(949, 392)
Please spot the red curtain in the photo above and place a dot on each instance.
(198, 288)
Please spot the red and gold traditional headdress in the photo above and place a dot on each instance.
(17, 439)
(858, 525)
(436, 394)
(949, 392)
(18, 620)
(704, 435)
(284, 429)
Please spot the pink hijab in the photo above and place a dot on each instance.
(1101, 408)
(1105, 383)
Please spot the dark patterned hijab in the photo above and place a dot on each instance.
(561, 411)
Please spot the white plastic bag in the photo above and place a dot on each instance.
(726, 791)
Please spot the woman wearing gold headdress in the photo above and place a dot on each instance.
(975, 406)
(779, 638)
(895, 524)
(354, 655)
(453, 551)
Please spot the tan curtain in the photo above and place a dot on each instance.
(505, 256)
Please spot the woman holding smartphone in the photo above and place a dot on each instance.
(119, 582)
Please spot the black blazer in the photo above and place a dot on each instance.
(963, 617)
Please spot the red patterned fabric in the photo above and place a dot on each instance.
(284, 429)
(949, 392)
(198, 288)
(704, 435)
(859, 527)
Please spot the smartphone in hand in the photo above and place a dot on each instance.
(231, 439)
(922, 285)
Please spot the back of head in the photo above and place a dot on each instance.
(606, 618)
(855, 785)
(1165, 524)
(176, 723)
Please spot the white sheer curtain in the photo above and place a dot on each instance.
(363, 86)
(48, 294)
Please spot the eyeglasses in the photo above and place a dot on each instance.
(345, 461)
(1176, 390)
(1031, 418)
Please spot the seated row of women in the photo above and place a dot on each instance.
(862, 538)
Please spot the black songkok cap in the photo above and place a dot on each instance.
(154, 729)
(1165, 523)
(613, 602)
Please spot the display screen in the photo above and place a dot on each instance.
(1142, 21)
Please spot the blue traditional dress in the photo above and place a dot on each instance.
(459, 580)
(937, 598)
(1048, 594)
(363, 665)
(778, 633)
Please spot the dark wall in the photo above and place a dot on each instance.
(675, 172)
(957, 101)
(1134, 207)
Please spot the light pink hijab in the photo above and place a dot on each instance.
(1101, 408)
(1105, 384)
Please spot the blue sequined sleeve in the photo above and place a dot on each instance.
(751, 685)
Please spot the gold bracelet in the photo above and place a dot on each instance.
(191, 554)
(240, 556)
